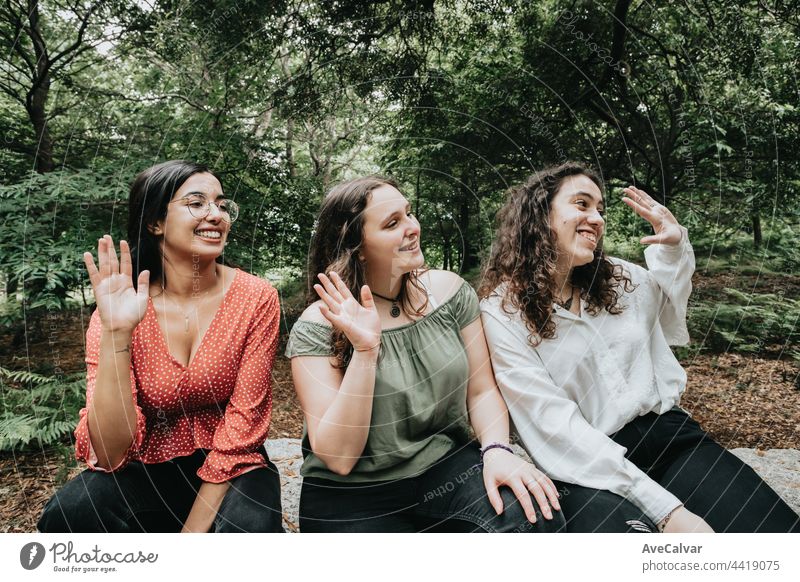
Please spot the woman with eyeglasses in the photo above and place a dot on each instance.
(179, 354)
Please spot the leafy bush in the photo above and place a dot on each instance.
(38, 409)
(751, 323)
(49, 221)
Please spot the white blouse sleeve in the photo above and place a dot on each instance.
(671, 268)
(555, 433)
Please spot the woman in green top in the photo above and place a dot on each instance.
(391, 386)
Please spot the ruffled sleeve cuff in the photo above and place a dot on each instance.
(221, 467)
(84, 450)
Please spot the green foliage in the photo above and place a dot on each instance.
(48, 222)
(459, 100)
(38, 409)
(746, 322)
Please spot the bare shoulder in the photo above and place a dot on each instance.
(442, 284)
(313, 314)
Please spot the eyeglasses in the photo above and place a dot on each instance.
(200, 207)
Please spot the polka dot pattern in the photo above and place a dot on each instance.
(221, 401)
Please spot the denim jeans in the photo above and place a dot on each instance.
(159, 497)
(448, 497)
(596, 511)
(712, 482)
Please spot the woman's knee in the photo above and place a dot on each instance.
(74, 508)
(252, 504)
(264, 520)
(513, 519)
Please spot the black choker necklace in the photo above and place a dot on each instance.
(568, 303)
(395, 312)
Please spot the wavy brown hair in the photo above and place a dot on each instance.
(335, 245)
(523, 256)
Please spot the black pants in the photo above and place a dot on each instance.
(712, 482)
(159, 497)
(448, 497)
(596, 511)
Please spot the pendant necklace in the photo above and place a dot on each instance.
(395, 312)
(568, 303)
(185, 314)
(194, 309)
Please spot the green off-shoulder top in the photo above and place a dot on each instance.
(419, 407)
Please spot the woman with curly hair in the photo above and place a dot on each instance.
(580, 347)
(392, 371)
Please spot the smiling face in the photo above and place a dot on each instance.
(390, 238)
(576, 220)
(183, 234)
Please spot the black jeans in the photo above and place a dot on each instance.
(158, 498)
(596, 511)
(448, 497)
(712, 482)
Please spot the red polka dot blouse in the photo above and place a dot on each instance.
(221, 401)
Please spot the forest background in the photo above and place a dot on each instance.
(695, 102)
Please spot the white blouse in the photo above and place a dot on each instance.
(597, 374)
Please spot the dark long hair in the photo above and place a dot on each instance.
(150, 195)
(335, 246)
(523, 256)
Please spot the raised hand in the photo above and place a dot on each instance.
(665, 225)
(121, 306)
(358, 321)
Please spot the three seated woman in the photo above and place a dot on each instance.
(405, 377)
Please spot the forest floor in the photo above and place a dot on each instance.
(741, 400)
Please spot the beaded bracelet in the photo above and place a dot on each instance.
(491, 446)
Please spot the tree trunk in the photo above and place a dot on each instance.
(290, 148)
(36, 100)
(447, 254)
(38, 116)
(669, 184)
(416, 197)
(756, 221)
(468, 256)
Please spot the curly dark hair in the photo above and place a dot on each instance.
(523, 256)
(335, 246)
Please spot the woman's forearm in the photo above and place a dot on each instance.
(206, 505)
(112, 412)
(488, 415)
(342, 432)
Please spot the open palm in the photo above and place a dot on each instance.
(121, 306)
(666, 228)
(360, 322)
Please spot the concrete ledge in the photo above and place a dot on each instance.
(780, 468)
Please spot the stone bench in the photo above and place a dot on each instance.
(780, 468)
